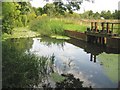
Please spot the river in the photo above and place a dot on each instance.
(75, 60)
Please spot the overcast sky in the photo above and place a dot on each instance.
(97, 6)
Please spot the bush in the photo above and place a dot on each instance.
(18, 23)
(31, 17)
(7, 25)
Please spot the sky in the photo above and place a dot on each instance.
(97, 6)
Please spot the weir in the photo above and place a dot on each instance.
(103, 34)
(95, 35)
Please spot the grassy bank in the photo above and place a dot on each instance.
(45, 26)
(75, 27)
(55, 26)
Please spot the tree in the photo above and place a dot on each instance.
(14, 15)
(106, 14)
(60, 8)
(116, 14)
(10, 13)
(49, 9)
(96, 15)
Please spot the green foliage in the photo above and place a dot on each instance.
(14, 15)
(75, 27)
(73, 15)
(90, 15)
(24, 19)
(56, 27)
(106, 14)
(9, 15)
(116, 14)
(46, 26)
(7, 25)
(20, 69)
(49, 9)
(31, 16)
(41, 25)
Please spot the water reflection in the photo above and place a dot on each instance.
(92, 57)
(74, 59)
(25, 70)
(70, 82)
(60, 64)
(21, 70)
(92, 48)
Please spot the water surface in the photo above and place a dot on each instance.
(72, 58)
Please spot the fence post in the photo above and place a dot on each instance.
(107, 27)
(95, 26)
(91, 26)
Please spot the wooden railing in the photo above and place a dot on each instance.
(107, 29)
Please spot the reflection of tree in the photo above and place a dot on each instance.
(93, 57)
(21, 45)
(49, 41)
(70, 82)
(20, 70)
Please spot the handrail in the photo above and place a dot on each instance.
(94, 26)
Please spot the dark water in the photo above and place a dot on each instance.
(69, 63)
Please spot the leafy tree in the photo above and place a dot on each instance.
(96, 15)
(14, 15)
(39, 11)
(10, 14)
(49, 9)
(59, 8)
(24, 7)
(116, 14)
(106, 14)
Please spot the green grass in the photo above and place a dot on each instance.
(75, 27)
(54, 26)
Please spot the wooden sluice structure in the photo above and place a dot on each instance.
(105, 36)
(102, 35)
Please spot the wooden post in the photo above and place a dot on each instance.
(107, 27)
(112, 27)
(91, 56)
(103, 41)
(99, 40)
(95, 26)
(102, 24)
(94, 58)
(91, 26)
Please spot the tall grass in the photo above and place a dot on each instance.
(55, 26)
(46, 26)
